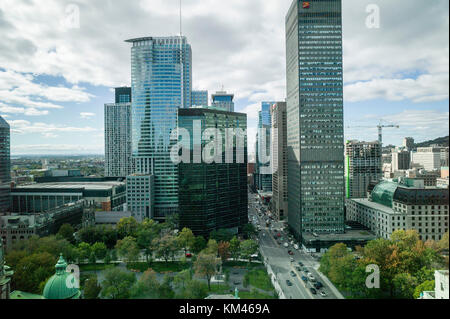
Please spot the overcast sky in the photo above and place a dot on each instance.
(56, 74)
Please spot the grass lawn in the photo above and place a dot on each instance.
(260, 279)
(255, 295)
(95, 267)
(242, 264)
(160, 267)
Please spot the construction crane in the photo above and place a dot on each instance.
(380, 129)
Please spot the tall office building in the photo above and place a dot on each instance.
(140, 196)
(199, 98)
(279, 160)
(224, 100)
(408, 143)
(263, 157)
(213, 195)
(427, 157)
(401, 160)
(118, 162)
(363, 165)
(315, 117)
(5, 166)
(161, 82)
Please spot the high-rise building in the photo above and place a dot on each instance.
(140, 196)
(213, 195)
(279, 160)
(5, 166)
(224, 100)
(161, 82)
(401, 160)
(118, 161)
(363, 165)
(444, 156)
(315, 117)
(408, 143)
(427, 157)
(263, 157)
(199, 98)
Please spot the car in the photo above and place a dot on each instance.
(300, 264)
(304, 279)
(288, 282)
(293, 274)
(188, 255)
(313, 291)
(323, 293)
(311, 277)
(290, 252)
(298, 268)
(319, 284)
(292, 260)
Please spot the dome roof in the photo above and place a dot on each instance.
(383, 193)
(56, 287)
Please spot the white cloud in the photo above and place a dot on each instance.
(56, 149)
(47, 130)
(86, 115)
(20, 110)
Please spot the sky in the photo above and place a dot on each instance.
(59, 61)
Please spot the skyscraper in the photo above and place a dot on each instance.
(401, 160)
(315, 117)
(199, 98)
(5, 166)
(224, 100)
(279, 160)
(161, 82)
(363, 166)
(263, 158)
(118, 161)
(408, 143)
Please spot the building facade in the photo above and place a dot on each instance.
(140, 196)
(161, 82)
(279, 160)
(264, 149)
(118, 161)
(315, 117)
(363, 165)
(392, 206)
(401, 160)
(408, 143)
(427, 157)
(199, 98)
(213, 195)
(5, 166)
(224, 100)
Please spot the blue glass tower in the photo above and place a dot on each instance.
(161, 81)
(264, 168)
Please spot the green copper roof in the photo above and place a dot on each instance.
(58, 286)
(24, 295)
(383, 193)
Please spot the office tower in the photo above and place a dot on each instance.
(444, 156)
(224, 100)
(161, 82)
(363, 165)
(213, 195)
(118, 162)
(315, 117)
(140, 196)
(5, 166)
(408, 143)
(263, 157)
(427, 157)
(279, 160)
(199, 98)
(401, 160)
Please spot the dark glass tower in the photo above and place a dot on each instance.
(5, 166)
(315, 117)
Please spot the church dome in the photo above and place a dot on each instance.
(57, 287)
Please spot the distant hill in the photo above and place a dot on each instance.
(440, 141)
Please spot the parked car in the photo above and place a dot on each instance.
(323, 293)
(293, 274)
(311, 277)
(290, 252)
(319, 284)
(313, 291)
(288, 282)
(188, 255)
(298, 268)
(304, 279)
(300, 263)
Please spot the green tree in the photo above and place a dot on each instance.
(221, 235)
(84, 251)
(405, 285)
(182, 278)
(91, 288)
(92, 259)
(235, 246)
(199, 244)
(117, 283)
(66, 232)
(165, 247)
(194, 289)
(146, 233)
(212, 247)
(425, 286)
(248, 248)
(127, 227)
(128, 249)
(186, 239)
(249, 230)
(32, 270)
(147, 287)
(99, 250)
(206, 265)
(165, 289)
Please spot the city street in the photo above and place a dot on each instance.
(278, 258)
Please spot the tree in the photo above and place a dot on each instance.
(127, 227)
(128, 249)
(147, 287)
(405, 285)
(235, 245)
(186, 239)
(32, 270)
(248, 248)
(194, 289)
(249, 230)
(221, 235)
(444, 242)
(425, 286)
(117, 283)
(99, 250)
(224, 251)
(146, 233)
(165, 247)
(165, 289)
(107, 259)
(206, 265)
(92, 259)
(182, 278)
(66, 232)
(199, 244)
(84, 251)
(91, 288)
(212, 247)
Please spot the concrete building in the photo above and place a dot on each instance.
(263, 152)
(444, 156)
(427, 157)
(429, 178)
(224, 100)
(141, 196)
(279, 160)
(440, 286)
(363, 165)
(408, 143)
(393, 206)
(118, 161)
(5, 166)
(401, 160)
(199, 98)
(213, 195)
(315, 126)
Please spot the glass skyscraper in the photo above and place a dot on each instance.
(224, 100)
(315, 117)
(264, 168)
(199, 98)
(5, 166)
(161, 81)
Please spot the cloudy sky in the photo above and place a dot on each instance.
(57, 71)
